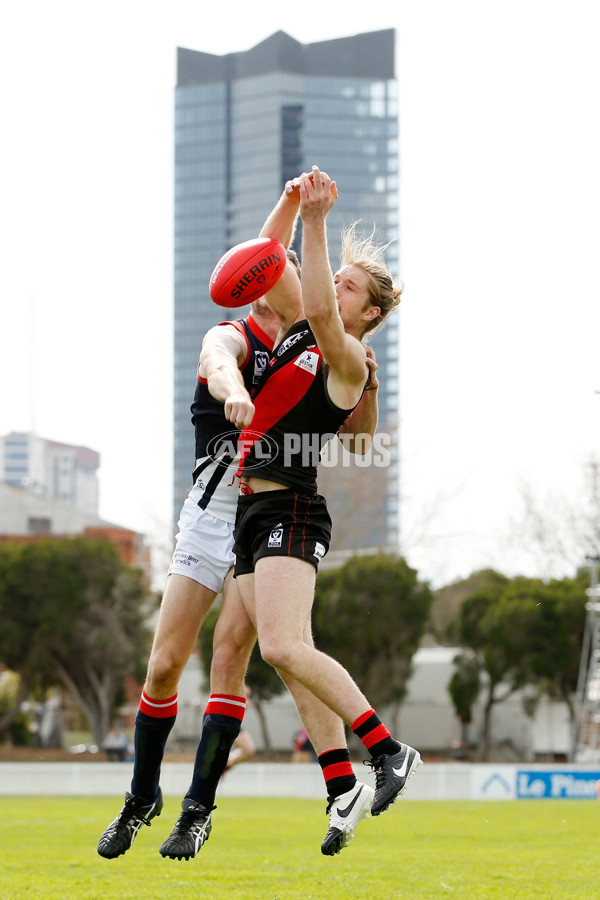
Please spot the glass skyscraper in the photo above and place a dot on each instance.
(244, 124)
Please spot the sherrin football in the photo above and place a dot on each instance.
(247, 272)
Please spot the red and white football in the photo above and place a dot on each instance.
(247, 272)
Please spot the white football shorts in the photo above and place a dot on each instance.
(203, 547)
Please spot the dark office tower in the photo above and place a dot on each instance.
(244, 124)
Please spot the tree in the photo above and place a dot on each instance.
(447, 601)
(524, 631)
(557, 530)
(14, 721)
(464, 687)
(476, 632)
(73, 615)
(547, 621)
(262, 679)
(370, 615)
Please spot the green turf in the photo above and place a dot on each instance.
(269, 849)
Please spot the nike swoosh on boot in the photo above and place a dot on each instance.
(346, 812)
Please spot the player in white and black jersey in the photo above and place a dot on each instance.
(201, 563)
(249, 341)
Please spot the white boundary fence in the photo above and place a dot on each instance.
(433, 781)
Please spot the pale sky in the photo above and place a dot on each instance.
(500, 200)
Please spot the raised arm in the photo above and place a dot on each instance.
(285, 299)
(344, 353)
(283, 218)
(223, 351)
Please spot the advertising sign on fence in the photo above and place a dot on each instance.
(571, 785)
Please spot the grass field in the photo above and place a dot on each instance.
(269, 850)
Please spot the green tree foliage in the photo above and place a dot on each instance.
(486, 635)
(73, 614)
(370, 615)
(464, 687)
(547, 621)
(14, 721)
(524, 631)
(447, 601)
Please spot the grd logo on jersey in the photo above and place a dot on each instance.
(319, 550)
(308, 361)
(276, 536)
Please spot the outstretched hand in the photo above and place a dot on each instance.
(317, 191)
(372, 366)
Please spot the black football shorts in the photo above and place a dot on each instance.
(280, 523)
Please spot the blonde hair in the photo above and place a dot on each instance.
(367, 254)
(292, 257)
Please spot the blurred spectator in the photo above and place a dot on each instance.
(303, 749)
(116, 745)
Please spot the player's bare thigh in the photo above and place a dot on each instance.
(234, 626)
(184, 606)
(280, 595)
(234, 638)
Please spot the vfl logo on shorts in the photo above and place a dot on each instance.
(319, 550)
(276, 537)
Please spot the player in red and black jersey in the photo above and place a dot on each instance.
(315, 379)
(293, 394)
(234, 355)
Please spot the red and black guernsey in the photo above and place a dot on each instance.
(208, 416)
(216, 438)
(295, 417)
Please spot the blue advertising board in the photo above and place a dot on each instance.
(571, 785)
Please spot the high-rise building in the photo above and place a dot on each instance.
(51, 469)
(244, 124)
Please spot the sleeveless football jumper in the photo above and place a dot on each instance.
(295, 418)
(215, 487)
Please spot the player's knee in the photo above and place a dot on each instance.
(164, 670)
(278, 655)
(228, 661)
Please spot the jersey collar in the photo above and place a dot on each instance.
(258, 332)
